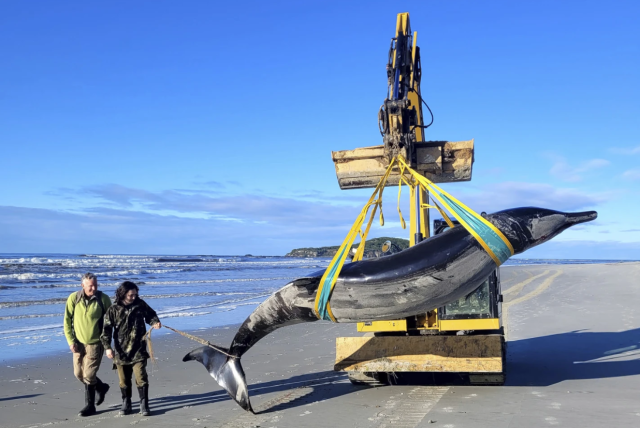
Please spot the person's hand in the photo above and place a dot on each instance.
(157, 325)
(110, 354)
(74, 348)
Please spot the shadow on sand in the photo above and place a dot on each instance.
(546, 360)
(317, 386)
(19, 397)
(538, 361)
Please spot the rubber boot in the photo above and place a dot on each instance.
(101, 390)
(126, 401)
(143, 391)
(89, 401)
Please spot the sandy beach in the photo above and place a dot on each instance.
(573, 334)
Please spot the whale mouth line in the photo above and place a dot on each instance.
(582, 217)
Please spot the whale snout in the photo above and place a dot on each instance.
(537, 225)
(583, 217)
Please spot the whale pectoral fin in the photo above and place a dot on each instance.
(227, 371)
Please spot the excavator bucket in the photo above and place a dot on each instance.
(439, 161)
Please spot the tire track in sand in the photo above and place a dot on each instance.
(541, 288)
(518, 287)
(274, 408)
(410, 409)
(272, 411)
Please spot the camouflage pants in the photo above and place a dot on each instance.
(139, 370)
(86, 362)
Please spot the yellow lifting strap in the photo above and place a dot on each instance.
(489, 237)
(322, 307)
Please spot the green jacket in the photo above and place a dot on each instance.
(83, 318)
(126, 324)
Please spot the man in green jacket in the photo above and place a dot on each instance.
(83, 321)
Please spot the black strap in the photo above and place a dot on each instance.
(99, 297)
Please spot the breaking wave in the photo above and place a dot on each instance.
(176, 283)
(63, 300)
(182, 311)
(192, 290)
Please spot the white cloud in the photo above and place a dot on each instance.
(517, 194)
(120, 231)
(321, 210)
(632, 174)
(246, 207)
(562, 170)
(103, 230)
(117, 218)
(626, 151)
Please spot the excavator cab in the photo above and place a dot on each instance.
(485, 302)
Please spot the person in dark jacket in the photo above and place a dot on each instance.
(125, 323)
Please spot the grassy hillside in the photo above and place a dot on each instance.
(372, 248)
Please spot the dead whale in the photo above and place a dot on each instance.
(428, 275)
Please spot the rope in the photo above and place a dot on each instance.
(154, 361)
(189, 336)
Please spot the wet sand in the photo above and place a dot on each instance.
(573, 344)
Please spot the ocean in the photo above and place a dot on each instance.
(188, 292)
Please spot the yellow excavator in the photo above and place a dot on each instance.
(465, 336)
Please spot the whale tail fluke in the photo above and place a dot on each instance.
(227, 371)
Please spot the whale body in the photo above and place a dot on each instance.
(433, 273)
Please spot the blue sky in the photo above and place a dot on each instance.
(202, 127)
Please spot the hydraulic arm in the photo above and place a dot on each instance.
(400, 116)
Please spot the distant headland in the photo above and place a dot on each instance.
(372, 248)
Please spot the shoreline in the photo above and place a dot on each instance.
(50, 339)
(182, 257)
(156, 336)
